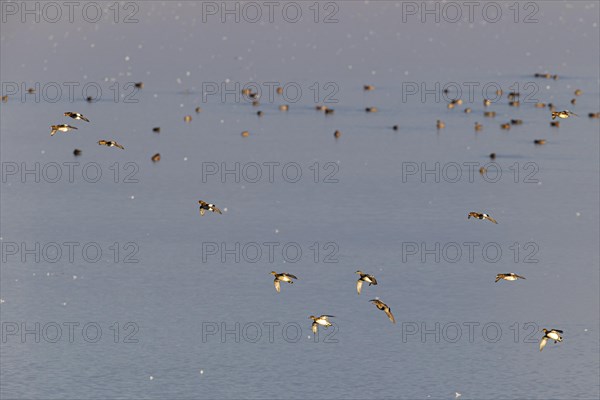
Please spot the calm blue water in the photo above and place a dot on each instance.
(158, 306)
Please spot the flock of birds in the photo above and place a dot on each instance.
(554, 335)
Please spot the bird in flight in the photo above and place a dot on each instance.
(370, 279)
(563, 114)
(283, 277)
(61, 128)
(481, 216)
(204, 206)
(552, 334)
(76, 115)
(384, 307)
(110, 143)
(322, 320)
(511, 276)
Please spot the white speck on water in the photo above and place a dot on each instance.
(64, 303)
(151, 377)
(184, 158)
(132, 197)
(179, 81)
(547, 87)
(126, 58)
(92, 45)
(187, 73)
(578, 214)
(43, 151)
(74, 277)
(201, 372)
(1, 301)
(276, 230)
(225, 209)
(222, 121)
(539, 183)
(47, 273)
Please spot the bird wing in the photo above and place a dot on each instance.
(215, 209)
(543, 343)
(358, 285)
(53, 131)
(572, 113)
(390, 315)
(492, 219)
(84, 118)
(556, 330)
(119, 146)
(201, 211)
(519, 276)
(277, 285)
(325, 317)
(291, 276)
(498, 277)
(315, 326)
(373, 280)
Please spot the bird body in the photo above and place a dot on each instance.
(511, 276)
(563, 114)
(283, 277)
(110, 143)
(61, 128)
(552, 334)
(370, 279)
(76, 115)
(384, 307)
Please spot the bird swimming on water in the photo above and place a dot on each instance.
(323, 320)
(384, 307)
(511, 276)
(370, 279)
(61, 128)
(481, 216)
(110, 143)
(283, 277)
(552, 334)
(204, 206)
(76, 115)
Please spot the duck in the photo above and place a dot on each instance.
(368, 88)
(505, 127)
(594, 115)
(337, 134)
(187, 118)
(320, 108)
(76, 115)
(468, 110)
(573, 101)
(139, 85)
(259, 113)
(555, 124)
(204, 206)
(486, 102)
(563, 114)
(77, 152)
(5, 98)
(478, 127)
(395, 127)
(482, 170)
(539, 141)
(552, 334)
(370, 279)
(385, 308)
(540, 105)
(493, 156)
(511, 276)
(481, 216)
(110, 143)
(279, 90)
(198, 110)
(284, 107)
(371, 109)
(61, 128)
(578, 92)
(156, 129)
(489, 114)
(516, 121)
(440, 124)
(283, 277)
(156, 157)
(322, 320)
(329, 111)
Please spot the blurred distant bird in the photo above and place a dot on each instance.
(204, 206)
(76, 115)
(61, 128)
(283, 277)
(110, 143)
(553, 334)
(481, 216)
(384, 307)
(323, 320)
(511, 276)
(370, 279)
(156, 157)
(563, 114)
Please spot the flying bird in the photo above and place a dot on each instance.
(563, 114)
(370, 279)
(61, 128)
(283, 277)
(481, 216)
(110, 143)
(511, 276)
(322, 320)
(76, 115)
(204, 206)
(384, 307)
(552, 334)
